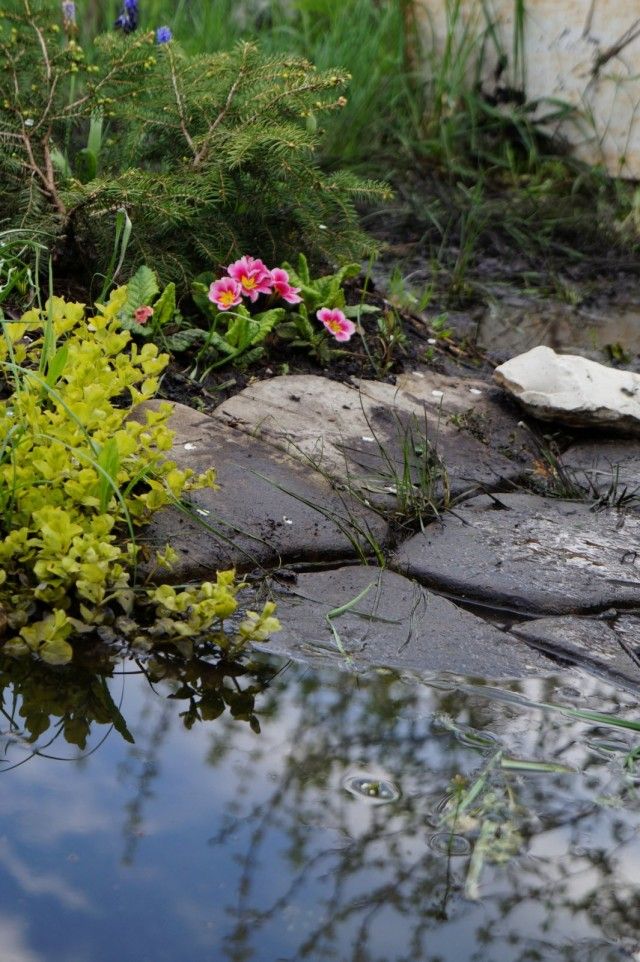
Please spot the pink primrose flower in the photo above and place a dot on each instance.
(142, 314)
(225, 293)
(252, 275)
(336, 323)
(281, 286)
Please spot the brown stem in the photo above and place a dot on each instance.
(46, 176)
(52, 188)
(180, 105)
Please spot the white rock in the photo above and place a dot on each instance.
(573, 390)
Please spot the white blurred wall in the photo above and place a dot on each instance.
(582, 52)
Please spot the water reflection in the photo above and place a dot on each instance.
(42, 704)
(240, 823)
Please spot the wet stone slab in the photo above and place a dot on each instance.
(609, 647)
(470, 405)
(367, 437)
(269, 508)
(605, 467)
(394, 623)
(525, 553)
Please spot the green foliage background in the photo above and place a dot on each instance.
(211, 155)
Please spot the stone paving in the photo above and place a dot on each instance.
(313, 475)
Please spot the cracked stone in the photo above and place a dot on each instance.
(525, 553)
(471, 405)
(269, 508)
(368, 438)
(395, 623)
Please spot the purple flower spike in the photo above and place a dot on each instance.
(69, 12)
(163, 35)
(128, 19)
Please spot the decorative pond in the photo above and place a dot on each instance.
(274, 813)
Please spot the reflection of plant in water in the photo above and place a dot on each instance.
(67, 702)
(38, 699)
(210, 687)
(486, 807)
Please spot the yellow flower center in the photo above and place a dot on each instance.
(227, 297)
(248, 283)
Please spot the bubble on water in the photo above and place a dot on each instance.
(374, 787)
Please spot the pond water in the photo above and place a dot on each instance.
(289, 814)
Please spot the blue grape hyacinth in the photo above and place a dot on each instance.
(163, 35)
(128, 19)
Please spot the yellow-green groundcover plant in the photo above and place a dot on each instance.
(78, 475)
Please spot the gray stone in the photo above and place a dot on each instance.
(469, 405)
(606, 647)
(395, 623)
(573, 390)
(525, 553)
(604, 467)
(366, 438)
(269, 508)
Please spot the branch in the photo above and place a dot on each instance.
(180, 105)
(204, 150)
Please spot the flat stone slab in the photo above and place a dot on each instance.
(472, 405)
(525, 553)
(605, 466)
(391, 622)
(269, 508)
(366, 437)
(606, 647)
(573, 390)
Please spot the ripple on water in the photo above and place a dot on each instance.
(447, 843)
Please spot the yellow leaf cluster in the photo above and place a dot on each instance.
(78, 474)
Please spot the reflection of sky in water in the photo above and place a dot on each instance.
(217, 843)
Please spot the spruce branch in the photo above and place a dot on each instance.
(180, 103)
(204, 149)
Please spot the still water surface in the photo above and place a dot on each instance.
(346, 829)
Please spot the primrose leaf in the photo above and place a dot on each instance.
(200, 295)
(357, 310)
(239, 333)
(183, 340)
(266, 323)
(303, 269)
(165, 307)
(141, 289)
